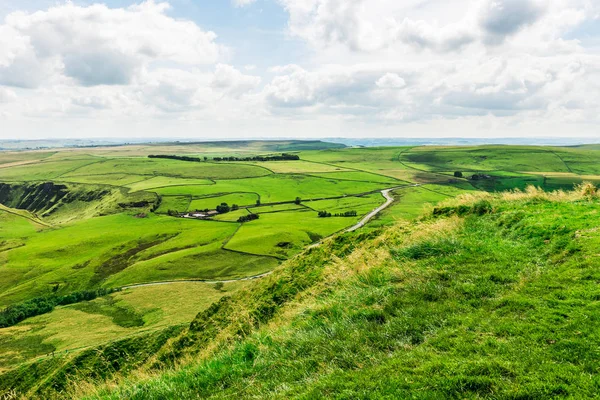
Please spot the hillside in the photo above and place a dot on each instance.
(485, 296)
(103, 265)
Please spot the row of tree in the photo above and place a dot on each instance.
(14, 314)
(179, 158)
(282, 157)
(248, 218)
(326, 214)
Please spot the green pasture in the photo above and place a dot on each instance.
(43, 170)
(116, 179)
(86, 254)
(362, 205)
(277, 208)
(171, 168)
(174, 203)
(359, 177)
(485, 158)
(283, 234)
(22, 157)
(277, 188)
(122, 314)
(208, 262)
(297, 167)
(211, 202)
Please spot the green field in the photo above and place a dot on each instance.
(82, 219)
(123, 314)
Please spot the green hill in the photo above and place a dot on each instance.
(485, 296)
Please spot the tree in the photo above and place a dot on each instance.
(205, 158)
(298, 200)
(458, 174)
(223, 208)
(234, 207)
(258, 202)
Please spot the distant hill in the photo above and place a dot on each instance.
(267, 145)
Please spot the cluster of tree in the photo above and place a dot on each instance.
(14, 314)
(173, 213)
(180, 158)
(282, 157)
(223, 208)
(476, 177)
(326, 214)
(248, 218)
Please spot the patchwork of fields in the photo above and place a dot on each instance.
(73, 220)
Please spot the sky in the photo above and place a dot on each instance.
(230, 69)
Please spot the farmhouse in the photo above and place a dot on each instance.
(200, 215)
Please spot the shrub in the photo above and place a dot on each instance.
(587, 189)
(482, 207)
(324, 214)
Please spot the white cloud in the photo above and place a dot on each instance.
(7, 95)
(242, 3)
(390, 81)
(373, 25)
(502, 18)
(232, 81)
(98, 45)
(356, 67)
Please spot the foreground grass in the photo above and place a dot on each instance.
(497, 300)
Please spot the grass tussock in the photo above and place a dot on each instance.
(477, 202)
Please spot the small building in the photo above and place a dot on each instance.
(200, 215)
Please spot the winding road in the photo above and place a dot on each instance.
(388, 201)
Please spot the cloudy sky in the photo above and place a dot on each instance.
(299, 68)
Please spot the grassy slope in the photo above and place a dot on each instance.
(195, 252)
(500, 305)
(130, 312)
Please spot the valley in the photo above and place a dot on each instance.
(95, 251)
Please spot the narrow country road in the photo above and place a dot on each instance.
(388, 201)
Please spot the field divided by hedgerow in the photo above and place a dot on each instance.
(83, 219)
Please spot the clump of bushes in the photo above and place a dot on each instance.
(326, 214)
(480, 207)
(248, 218)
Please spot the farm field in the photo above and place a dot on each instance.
(122, 314)
(82, 220)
